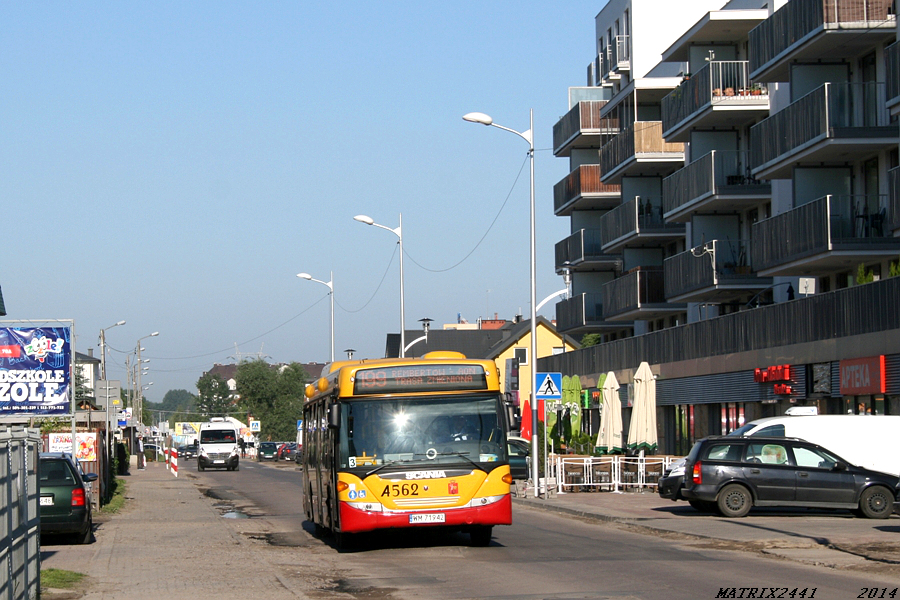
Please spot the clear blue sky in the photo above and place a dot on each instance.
(177, 164)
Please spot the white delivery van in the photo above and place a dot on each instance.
(868, 441)
(218, 448)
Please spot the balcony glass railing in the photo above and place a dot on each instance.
(636, 216)
(583, 181)
(819, 226)
(709, 175)
(720, 83)
(634, 290)
(585, 245)
(622, 53)
(791, 23)
(822, 113)
(583, 118)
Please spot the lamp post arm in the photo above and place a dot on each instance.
(551, 297)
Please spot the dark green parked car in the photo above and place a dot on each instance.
(65, 497)
(266, 451)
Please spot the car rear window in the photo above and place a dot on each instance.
(725, 451)
(56, 472)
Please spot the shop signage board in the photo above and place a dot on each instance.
(36, 371)
(862, 376)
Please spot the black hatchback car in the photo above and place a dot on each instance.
(734, 474)
(65, 497)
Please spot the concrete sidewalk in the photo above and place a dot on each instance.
(829, 538)
(168, 542)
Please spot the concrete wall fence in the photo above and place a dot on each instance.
(20, 517)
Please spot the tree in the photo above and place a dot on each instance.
(214, 397)
(590, 339)
(272, 395)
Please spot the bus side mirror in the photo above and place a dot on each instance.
(510, 417)
(334, 416)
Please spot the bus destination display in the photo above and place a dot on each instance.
(419, 378)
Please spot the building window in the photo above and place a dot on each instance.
(521, 355)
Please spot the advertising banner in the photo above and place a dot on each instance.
(36, 371)
(85, 444)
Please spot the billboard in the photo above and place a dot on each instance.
(36, 371)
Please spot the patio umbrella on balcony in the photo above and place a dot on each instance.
(642, 431)
(609, 440)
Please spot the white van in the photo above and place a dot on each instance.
(218, 448)
(868, 441)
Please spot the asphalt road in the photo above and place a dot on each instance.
(542, 555)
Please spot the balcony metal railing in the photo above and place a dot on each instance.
(583, 181)
(633, 217)
(621, 53)
(708, 175)
(708, 265)
(585, 245)
(792, 22)
(819, 226)
(822, 113)
(894, 203)
(642, 137)
(717, 83)
(853, 311)
(633, 290)
(579, 311)
(892, 72)
(583, 118)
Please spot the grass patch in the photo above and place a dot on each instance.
(60, 579)
(118, 498)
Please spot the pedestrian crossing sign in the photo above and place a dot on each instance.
(549, 386)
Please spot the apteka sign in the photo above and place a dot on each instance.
(35, 371)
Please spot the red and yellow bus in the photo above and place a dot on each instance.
(407, 443)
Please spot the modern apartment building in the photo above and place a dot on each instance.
(733, 200)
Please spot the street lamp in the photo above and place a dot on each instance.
(103, 348)
(106, 383)
(330, 285)
(528, 136)
(399, 234)
(139, 397)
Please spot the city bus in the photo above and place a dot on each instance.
(393, 443)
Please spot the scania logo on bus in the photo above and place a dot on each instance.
(425, 475)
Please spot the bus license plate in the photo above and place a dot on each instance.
(429, 518)
(46, 500)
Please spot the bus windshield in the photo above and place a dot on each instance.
(425, 431)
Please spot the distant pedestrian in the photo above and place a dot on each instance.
(243, 446)
(139, 446)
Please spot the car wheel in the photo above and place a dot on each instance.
(876, 502)
(702, 505)
(734, 501)
(84, 537)
(199, 466)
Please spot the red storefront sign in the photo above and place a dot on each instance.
(776, 373)
(862, 376)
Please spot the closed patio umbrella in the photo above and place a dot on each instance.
(609, 440)
(642, 431)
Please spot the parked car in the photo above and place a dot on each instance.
(519, 450)
(287, 451)
(266, 451)
(738, 473)
(672, 480)
(65, 497)
(298, 455)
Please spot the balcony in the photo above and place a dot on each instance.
(894, 207)
(637, 223)
(582, 251)
(620, 54)
(640, 150)
(824, 126)
(715, 272)
(717, 182)
(582, 127)
(828, 235)
(892, 75)
(719, 95)
(583, 314)
(818, 31)
(583, 189)
(638, 295)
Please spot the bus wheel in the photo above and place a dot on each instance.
(481, 535)
(343, 541)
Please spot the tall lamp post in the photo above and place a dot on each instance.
(106, 384)
(399, 233)
(330, 285)
(140, 392)
(528, 136)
